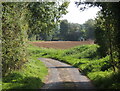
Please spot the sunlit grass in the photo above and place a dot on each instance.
(86, 58)
(30, 76)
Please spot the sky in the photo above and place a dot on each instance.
(74, 15)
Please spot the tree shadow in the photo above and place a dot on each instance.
(75, 86)
(18, 82)
(63, 67)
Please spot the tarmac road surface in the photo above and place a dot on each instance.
(64, 76)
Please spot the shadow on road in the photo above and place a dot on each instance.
(79, 86)
(27, 84)
(62, 67)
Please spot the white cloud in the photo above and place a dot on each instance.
(74, 15)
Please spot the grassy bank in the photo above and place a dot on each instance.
(31, 76)
(85, 57)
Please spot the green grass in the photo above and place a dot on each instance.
(31, 76)
(0, 84)
(85, 58)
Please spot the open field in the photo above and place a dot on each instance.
(60, 44)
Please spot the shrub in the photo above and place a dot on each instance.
(14, 31)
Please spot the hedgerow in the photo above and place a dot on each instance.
(14, 36)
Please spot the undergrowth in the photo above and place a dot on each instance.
(30, 76)
(85, 58)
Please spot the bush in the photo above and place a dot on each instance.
(14, 35)
(106, 79)
(84, 51)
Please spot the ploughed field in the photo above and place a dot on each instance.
(60, 44)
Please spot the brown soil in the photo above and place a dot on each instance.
(60, 44)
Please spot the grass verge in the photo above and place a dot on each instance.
(85, 57)
(30, 76)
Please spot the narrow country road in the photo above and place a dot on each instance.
(64, 76)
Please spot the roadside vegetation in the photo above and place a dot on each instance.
(86, 58)
(20, 21)
(40, 20)
(30, 76)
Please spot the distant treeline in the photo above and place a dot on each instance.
(66, 31)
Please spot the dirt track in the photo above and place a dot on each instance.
(64, 76)
(61, 44)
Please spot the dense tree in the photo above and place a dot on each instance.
(63, 29)
(14, 36)
(109, 30)
(45, 17)
(75, 31)
(109, 14)
(24, 20)
(89, 29)
(100, 37)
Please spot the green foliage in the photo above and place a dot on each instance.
(107, 30)
(106, 79)
(100, 78)
(75, 31)
(105, 37)
(63, 29)
(86, 58)
(44, 18)
(101, 38)
(31, 76)
(14, 28)
(82, 51)
(95, 65)
(89, 27)
(21, 21)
